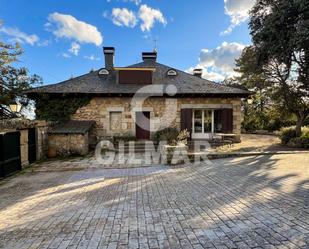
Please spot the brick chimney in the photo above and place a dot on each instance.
(109, 53)
(198, 72)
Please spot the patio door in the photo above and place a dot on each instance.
(202, 123)
(208, 121)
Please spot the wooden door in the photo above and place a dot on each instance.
(142, 133)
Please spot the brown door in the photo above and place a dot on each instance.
(143, 118)
(186, 120)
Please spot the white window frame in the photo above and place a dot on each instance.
(203, 134)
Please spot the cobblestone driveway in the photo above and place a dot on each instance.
(253, 202)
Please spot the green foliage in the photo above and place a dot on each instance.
(272, 118)
(13, 81)
(287, 134)
(58, 108)
(172, 136)
(183, 136)
(280, 34)
(168, 134)
(289, 137)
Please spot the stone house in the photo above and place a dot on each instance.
(140, 99)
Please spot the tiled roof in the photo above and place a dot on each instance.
(72, 127)
(187, 84)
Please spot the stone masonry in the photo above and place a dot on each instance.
(99, 110)
(245, 203)
(69, 144)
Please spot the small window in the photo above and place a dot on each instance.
(171, 72)
(103, 71)
(115, 121)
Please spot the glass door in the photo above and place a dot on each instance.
(202, 123)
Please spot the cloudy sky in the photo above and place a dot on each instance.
(62, 39)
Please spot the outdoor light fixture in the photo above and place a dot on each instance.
(250, 101)
(15, 107)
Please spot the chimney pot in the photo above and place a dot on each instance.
(149, 56)
(109, 53)
(198, 72)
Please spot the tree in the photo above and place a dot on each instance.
(13, 81)
(280, 34)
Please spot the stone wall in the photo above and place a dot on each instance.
(99, 110)
(23, 125)
(69, 144)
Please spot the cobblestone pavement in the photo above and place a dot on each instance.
(251, 202)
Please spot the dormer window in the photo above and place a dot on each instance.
(171, 72)
(103, 71)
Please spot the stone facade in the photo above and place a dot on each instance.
(69, 144)
(100, 110)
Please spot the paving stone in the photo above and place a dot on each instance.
(215, 205)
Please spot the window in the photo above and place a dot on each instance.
(198, 121)
(115, 121)
(103, 71)
(207, 121)
(171, 72)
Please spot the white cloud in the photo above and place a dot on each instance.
(149, 16)
(91, 57)
(219, 63)
(65, 55)
(20, 36)
(124, 17)
(44, 43)
(69, 27)
(238, 10)
(74, 49)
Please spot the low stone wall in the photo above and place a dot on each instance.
(69, 144)
(22, 125)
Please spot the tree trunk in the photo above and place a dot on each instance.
(299, 123)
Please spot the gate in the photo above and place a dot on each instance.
(31, 145)
(10, 160)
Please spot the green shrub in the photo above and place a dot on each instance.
(183, 136)
(287, 134)
(288, 137)
(304, 139)
(168, 134)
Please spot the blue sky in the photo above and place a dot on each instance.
(65, 38)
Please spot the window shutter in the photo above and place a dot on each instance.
(227, 120)
(186, 120)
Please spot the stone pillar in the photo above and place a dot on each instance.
(237, 120)
(41, 139)
(24, 147)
